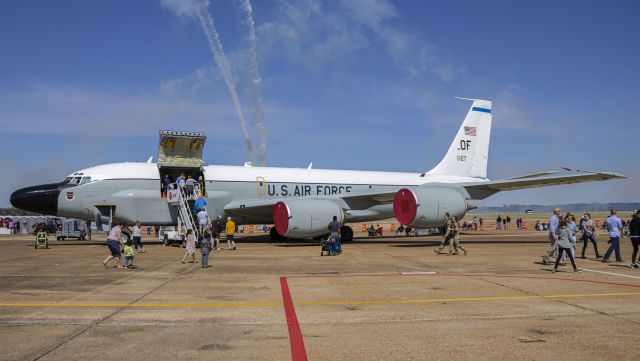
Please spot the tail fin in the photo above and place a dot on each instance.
(469, 152)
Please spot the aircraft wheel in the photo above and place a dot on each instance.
(166, 240)
(275, 236)
(346, 234)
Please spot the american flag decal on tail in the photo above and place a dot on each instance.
(470, 131)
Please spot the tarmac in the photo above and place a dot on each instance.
(385, 298)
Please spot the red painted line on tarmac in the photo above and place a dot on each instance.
(298, 352)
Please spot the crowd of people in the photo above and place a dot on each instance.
(192, 187)
(563, 234)
(124, 242)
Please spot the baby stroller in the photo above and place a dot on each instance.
(327, 246)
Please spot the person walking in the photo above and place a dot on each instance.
(446, 235)
(205, 247)
(508, 222)
(203, 221)
(565, 241)
(137, 238)
(613, 224)
(201, 185)
(190, 185)
(498, 222)
(199, 204)
(190, 247)
(216, 229)
(453, 229)
(588, 234)
(114, 244)
(554, 220)
(475, 223)
(230, 229)
(481, 222)
(334, 228)
(634, 235)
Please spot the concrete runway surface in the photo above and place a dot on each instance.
(385, 298)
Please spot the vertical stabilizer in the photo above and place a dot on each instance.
(469, 152)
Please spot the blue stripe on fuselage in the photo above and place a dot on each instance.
(478, 109)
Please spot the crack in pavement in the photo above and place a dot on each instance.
(101, 320)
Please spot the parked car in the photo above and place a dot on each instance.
(72, 229)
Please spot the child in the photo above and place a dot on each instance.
(128, 254)
(566, 240)
(205, 248)
(191, 247)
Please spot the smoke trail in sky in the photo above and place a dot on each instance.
(206, 21)
(255, 92)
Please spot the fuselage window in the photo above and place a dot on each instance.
(85, 180)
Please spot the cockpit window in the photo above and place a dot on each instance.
(85, 180)
(75, 180)
(67, 180)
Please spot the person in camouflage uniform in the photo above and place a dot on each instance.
(451, 235)
(453, 232)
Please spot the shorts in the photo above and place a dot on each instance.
(114, 247)
(229, 237)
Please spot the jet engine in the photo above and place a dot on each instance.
(424, 207)
(303, 218)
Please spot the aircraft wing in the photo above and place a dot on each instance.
(486, 189)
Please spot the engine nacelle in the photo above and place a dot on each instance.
(300, 218)
(424, 207)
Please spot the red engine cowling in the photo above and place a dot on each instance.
(303, 218)
(424, 207)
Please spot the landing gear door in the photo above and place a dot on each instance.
(181, 149)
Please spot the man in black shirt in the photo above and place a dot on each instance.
(334, 228)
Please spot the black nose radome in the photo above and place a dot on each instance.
(39, 199)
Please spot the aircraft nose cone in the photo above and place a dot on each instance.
(39, 199)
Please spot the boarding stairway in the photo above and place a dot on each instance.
(186, 214)
(185, 211)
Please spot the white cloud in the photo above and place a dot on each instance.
(313, 34)
(181, 7)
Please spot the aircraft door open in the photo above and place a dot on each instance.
(181, 149)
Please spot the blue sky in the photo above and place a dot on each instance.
(351, 84)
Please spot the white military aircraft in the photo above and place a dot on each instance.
(300, 202)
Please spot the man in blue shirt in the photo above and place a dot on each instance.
(553, 238)
(613, 224)
(199, 204)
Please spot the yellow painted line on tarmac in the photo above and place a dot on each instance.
(467, 299)
(315, 303)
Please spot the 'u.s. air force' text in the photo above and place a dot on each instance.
(301, 190)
